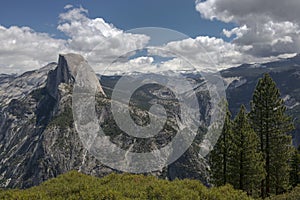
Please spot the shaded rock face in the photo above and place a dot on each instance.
(38, 139)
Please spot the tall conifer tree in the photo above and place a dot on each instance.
(220, 155)
(271, 124)
(246, 163)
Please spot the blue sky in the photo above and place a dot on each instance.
(227, 32)
(179, 15)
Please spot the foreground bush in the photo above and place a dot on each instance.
(293, 195)
(74, 185)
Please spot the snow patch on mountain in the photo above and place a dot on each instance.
(229, 80)
(290, 102)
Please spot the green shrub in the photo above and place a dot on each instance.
(292, 195)
(74, 185)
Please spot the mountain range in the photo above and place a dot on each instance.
(38, 139)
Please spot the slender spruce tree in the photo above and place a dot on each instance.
(272, 125)
(219, 156)
(246, 162)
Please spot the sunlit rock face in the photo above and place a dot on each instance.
(16, 87)
(66, 72)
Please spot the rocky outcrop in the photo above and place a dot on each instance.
(67, 69)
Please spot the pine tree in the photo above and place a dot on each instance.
(295, 167)
(219, 156)
(246, 162)
(270, 122)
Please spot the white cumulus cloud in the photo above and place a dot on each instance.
(23, 49)
(266, 30)
(100, 42)
(270, 27)
(209, 53)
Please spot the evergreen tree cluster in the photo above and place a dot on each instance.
(254, 152)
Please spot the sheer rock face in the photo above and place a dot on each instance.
(68, 67)
(38, 139)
